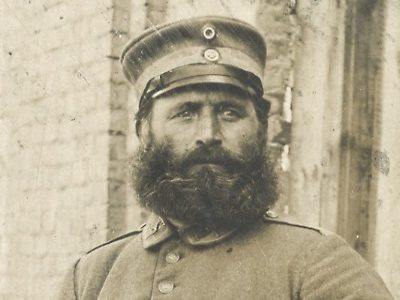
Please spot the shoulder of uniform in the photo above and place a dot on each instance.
(271, 216)
(119, 238)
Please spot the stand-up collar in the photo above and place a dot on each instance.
(158, 230)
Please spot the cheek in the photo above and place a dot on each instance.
(240, 135)
(179, 138)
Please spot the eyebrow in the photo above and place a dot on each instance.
(225, 103)
(189, 106)
(195, 106)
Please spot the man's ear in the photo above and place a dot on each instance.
(143, 131)
(266, 105)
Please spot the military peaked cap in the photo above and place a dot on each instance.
(193, 51)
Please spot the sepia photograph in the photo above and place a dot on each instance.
(200, 149)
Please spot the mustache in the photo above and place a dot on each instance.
(213, 155)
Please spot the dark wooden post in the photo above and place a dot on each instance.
(360, 123)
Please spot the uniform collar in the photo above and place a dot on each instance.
(155, 231)
(158, 230)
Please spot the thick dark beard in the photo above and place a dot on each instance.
(226, 191)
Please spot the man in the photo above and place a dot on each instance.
(202, 171)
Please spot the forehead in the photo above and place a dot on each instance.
(205, 94)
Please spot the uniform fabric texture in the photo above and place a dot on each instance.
(270, 260)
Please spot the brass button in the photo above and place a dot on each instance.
(165, 287)
(172, 257)
(271, 214)
(211, 54)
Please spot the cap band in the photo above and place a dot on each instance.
(202, 73)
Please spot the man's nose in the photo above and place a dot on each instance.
(208, 132)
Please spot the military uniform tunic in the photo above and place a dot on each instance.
(272, 259)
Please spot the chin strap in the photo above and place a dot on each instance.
(201, 74)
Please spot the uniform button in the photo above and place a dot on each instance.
(165, 287)
(271, 214)
(172, 257)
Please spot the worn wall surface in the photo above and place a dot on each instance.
(317, 104)
(54, 128)
(387, 162)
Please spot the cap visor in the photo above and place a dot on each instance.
(205, 79)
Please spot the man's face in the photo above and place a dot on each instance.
(204, 158)
(215, 116)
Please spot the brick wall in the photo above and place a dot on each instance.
(55, 121)
(66, 130)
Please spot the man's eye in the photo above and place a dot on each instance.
(184, 115)
(229, 114)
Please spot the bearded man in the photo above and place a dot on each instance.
(203, 172)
